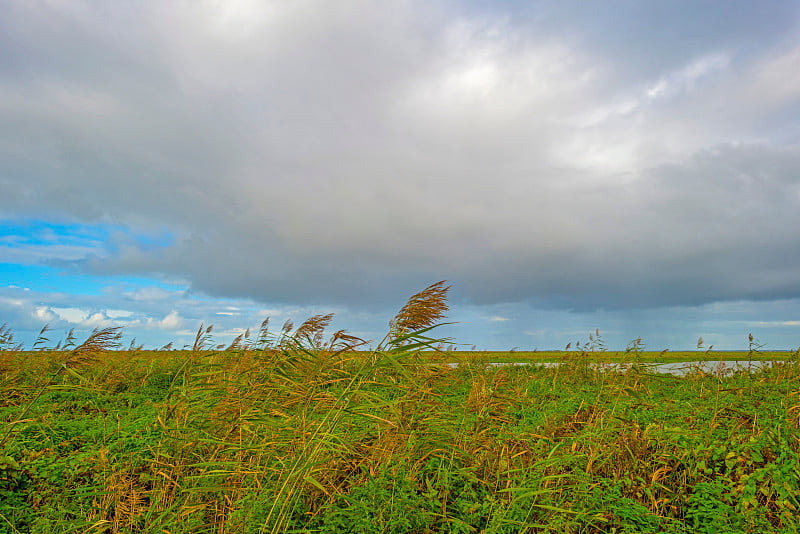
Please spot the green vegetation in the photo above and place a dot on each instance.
(557, 356)
(293, 434)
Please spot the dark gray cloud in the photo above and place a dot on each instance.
(574, 155)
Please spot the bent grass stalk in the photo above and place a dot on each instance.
(404, 339)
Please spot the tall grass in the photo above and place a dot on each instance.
(296, 432)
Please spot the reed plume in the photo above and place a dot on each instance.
(422, 310)
(236, 344)
(262, 339)
(99, 340)
(7, 339)
(287, 327)
(312, 329)
(202, 338)
(285, 331)
(39, 344)
(341, 340)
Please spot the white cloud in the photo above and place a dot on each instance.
(172, 321)
(684, 80)
(152, 293)
(45, 314)
(71, 315)
(98, 320)
(119, 314)
(80, 317)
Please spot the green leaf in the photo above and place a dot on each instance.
(314, 482)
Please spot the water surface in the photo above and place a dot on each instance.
(712, 367)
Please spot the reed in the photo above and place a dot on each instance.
(290, 432)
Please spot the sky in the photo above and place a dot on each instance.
(567, 166)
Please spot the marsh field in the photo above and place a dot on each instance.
(294, 433)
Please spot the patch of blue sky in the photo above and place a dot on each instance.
(49, 279)
(26, 232)
(21, 233)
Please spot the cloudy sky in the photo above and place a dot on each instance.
(566, 165)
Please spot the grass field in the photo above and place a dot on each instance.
(305, 436)
(557, 356)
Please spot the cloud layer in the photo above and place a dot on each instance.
(354, 152)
